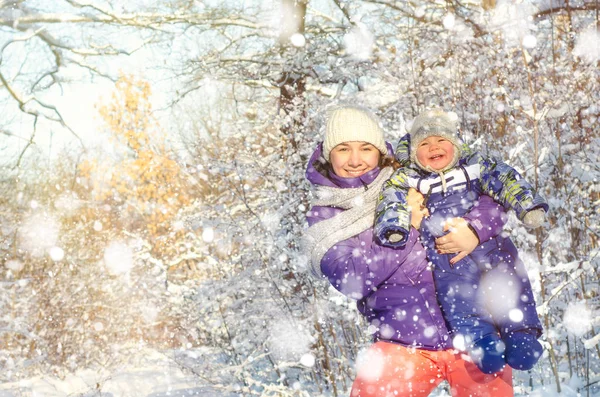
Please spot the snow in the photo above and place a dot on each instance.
(298, 40)
(373, 361)
(578, 318)
(118, 258)
(500, 292)
(288, 342)
(448, 21)
(208, 234)
(588, 46)
(93, 304)
(152, 374)
(39, 233)
(359, 42)
(529, 41)
(308, 360)
(14, 265)
(57, 253)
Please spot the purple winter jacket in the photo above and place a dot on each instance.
(394, 287)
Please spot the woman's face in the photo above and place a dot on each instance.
(435, 152)
(352, 159)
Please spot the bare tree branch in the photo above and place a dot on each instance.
(142, 20)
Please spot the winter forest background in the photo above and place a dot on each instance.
(153, 191)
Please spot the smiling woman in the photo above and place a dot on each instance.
(353, 159)
(354, 143)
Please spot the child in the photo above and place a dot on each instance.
(470, 291)
(393, 288)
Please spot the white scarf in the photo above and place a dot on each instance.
(359, 205)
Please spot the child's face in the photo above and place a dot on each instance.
(352, 159)
(436, 152)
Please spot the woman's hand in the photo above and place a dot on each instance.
(461, 239)
(415, 200)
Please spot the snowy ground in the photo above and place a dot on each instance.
(153, 375)
(156, 374)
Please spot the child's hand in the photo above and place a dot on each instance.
(418, 211)
(460, 239)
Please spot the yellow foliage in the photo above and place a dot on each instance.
(148, 183)
(129, 114)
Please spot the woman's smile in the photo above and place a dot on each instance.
(354, 159)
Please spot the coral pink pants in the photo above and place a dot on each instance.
(392, 370)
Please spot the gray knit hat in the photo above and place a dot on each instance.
(351, 123)
(434, 122)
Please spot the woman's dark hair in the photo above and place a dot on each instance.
(323, 166)
(389, 161)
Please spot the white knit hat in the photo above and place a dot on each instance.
(435, 122)
(352, 124)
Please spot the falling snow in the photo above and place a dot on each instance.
(38, 233)
(218, 301)
(588, 46)
(578, 318)
(118, 258)
(359, 42)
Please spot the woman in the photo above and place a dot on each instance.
(393, 287)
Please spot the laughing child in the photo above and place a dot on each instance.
(486, 297)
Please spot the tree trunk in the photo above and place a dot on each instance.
(292, 83)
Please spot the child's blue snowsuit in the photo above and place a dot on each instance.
(469, 311)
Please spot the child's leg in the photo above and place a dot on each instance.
(457, 290)
(508, 295)
(396, 370)
(466, 379)
(472, 328)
